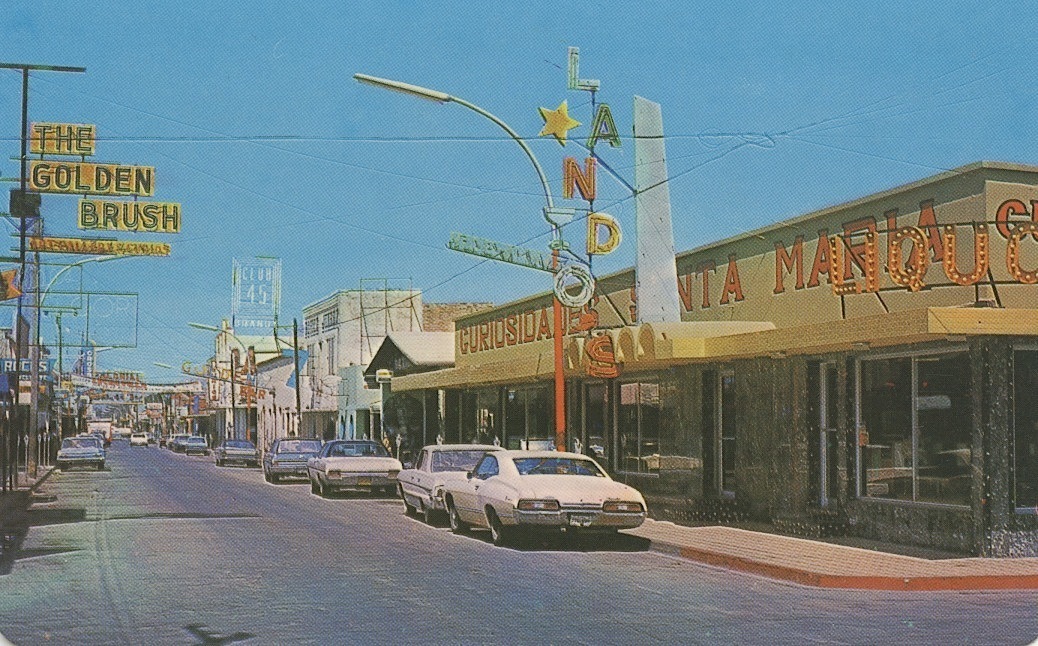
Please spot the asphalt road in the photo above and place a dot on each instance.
(170, 549)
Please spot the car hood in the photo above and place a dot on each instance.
(572, 489)
(361, 464)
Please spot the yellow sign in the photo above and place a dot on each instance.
(595, 245)
(82, 178)
(153, 217)
(62, 139)
(98, 247)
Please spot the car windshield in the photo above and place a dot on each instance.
(557, 466)
(357, 449)
(299, 446)
(455, 460)
(196, 440)
(79, 443)
(239, 444)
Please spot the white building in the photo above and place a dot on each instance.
(342, 330)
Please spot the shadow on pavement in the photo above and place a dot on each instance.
(580, 542)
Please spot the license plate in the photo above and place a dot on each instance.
(364, 482)
(580, 520)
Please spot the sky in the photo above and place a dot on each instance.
(254, 124)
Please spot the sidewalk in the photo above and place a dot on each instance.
(15, 502)
(827, 565)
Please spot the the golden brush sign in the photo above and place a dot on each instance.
(83, 178)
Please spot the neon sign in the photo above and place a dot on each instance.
(500, 251)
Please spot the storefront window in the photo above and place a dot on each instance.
(515, 417)
(596, 413)
(915, 428)
(639, 423)
(1025, 425)
(486, 417)
(528, 418)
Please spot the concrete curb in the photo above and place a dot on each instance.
(815, 579)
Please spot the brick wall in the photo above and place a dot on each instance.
(440, 317)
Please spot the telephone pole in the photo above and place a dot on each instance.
(25, 209)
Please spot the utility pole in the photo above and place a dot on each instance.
(234, 404)
(32, 422)
(295, 359)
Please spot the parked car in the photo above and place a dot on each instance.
(138, 439)
(511, 491)
(83, 450)
(237, 451)
(421, 487)
(352, 465)
(287, 458)
(196, 445)
(177, 443)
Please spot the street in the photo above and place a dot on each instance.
(162, 548)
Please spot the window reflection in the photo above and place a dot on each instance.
(916, 416)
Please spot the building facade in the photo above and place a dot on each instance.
(866, 369)
(343, 330)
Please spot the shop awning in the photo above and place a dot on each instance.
(658, 345)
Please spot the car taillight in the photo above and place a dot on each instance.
(538, 505)
(621, 506)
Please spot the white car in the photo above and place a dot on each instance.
(509, 491)
(138, 439)
(421, 487)
(82, 450)
(352, 465)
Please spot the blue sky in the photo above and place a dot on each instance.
(250, 115)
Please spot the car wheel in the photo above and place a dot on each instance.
(313, 486)
(321, 491)
(275, 478)
(101, 466)
(499, 533)
(458, 526)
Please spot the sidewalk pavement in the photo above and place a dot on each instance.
(828, 565)
(15, 502)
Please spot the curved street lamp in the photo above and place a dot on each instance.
(443, 97)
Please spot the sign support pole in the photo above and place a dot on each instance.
(29, 425)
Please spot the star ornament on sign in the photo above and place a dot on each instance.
(557, 122)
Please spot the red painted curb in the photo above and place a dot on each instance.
(860, 582)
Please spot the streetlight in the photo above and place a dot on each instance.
(34, 367)
(556, 243)
(234, 369)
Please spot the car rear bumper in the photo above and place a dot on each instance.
(359, 481)
(240, 459)
(288, 469)
(579, 519)
(68, 463)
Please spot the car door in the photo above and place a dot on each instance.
(486, 469)
(412, 481)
